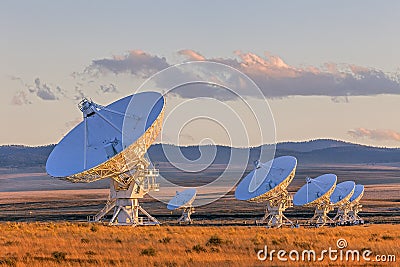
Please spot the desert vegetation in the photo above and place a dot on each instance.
(83, 244)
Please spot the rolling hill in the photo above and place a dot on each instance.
(322, 151)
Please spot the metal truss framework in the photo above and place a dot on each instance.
(186, 212)
(322, 208)
(278, 200)
(126, 166)
(356, 207)
(343, 208)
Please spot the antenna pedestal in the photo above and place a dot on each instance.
(320, 217)
(342, 215)
(125, 201)
(186, 212)
(127, 213)
(355, 206)
(353, 214)
(274, 217)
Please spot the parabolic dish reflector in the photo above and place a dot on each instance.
(182, 199)
(102, 137)
(315, 189)
(342, 192)
(267, 180)
(358, 193)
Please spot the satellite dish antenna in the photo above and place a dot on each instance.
(111, 142)
(316, 193)
(340, 198)
(268, 183)
(183, 200)
(355, 205)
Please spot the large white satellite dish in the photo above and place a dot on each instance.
(183, 200)
(268, 182)
(340, 199)
(111, 142)
(316, 193)
(355, 205)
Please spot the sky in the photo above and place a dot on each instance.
(326, 69)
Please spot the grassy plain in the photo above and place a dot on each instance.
(30, 200)
(83, 244)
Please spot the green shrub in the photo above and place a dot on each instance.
(59, 255)
(214, 241)
(387, 237)
(165, 240)
(199, 248)
(11, 261)
(148, 252)
(90, 253)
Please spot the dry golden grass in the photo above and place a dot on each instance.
(82, 244)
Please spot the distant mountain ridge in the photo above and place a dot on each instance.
(18, 156)
(307, 146)
(320, 151)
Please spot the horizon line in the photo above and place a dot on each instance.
(239, 147)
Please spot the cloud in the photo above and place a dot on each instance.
(111, 88)
(136, 62)
(20, 98)
(16, 78)
(78, 93)
(276, 78)
(38, 89)
(203, 90)
(44, 92)
(340, 99)
(381, 135)
(191, 55)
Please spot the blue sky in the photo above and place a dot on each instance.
(50, 40)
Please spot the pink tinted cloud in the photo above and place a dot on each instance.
(376, 134)
(274, 76)
(191, 55)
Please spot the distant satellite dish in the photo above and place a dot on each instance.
(268, 182)
(183, 200)
(340, 199)
(355, 205)
(342, 193)
(315, 190)
(265, 181)
(111, 142)
(316, 193)
(358, 194)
